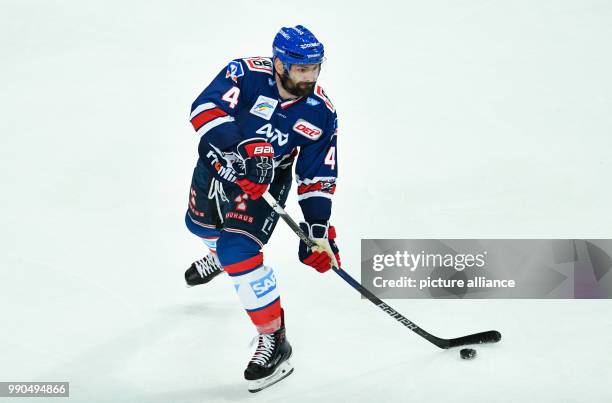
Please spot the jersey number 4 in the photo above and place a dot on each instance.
(231, 96)
(330, 158)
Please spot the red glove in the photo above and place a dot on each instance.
(321, 261)
(254, 190)
(258, 157)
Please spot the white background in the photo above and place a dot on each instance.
(458, 119)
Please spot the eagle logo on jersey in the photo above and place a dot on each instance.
(234, 71)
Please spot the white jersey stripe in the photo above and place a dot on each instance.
(308, 195)
(201, 108)
(212, 124)
(316, 179)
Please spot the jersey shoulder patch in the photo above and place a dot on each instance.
(259, 64)
(234, 70)
(321, 94)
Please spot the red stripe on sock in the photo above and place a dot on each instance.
(266, 315)
(245, 265)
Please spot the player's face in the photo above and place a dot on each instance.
(301, 79)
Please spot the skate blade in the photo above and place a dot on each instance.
(194, 285)
(283, 371)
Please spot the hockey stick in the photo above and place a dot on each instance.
(491, 336)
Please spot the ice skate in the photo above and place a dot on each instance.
(270, 363)
(203, 270)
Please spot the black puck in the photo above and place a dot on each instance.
(467, 353)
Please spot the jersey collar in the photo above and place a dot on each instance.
(290, 102)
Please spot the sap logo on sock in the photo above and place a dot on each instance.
(264, 285)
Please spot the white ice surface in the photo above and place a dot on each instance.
(467, 119)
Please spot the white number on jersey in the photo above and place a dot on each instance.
(330, 158)
(231, 96)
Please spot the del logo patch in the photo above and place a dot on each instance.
(262, 64)
(264, 107)
(307, 129)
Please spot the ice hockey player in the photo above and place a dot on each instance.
(255, 119)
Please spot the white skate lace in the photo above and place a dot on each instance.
(207, 265)
(265, 348)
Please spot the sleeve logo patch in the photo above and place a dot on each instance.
(312, 101)
(262, 64)
(234, 71)
(307, 129)
(264, 107)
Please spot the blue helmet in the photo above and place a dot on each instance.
(297, 45)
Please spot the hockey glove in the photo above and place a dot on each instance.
(319, 258)
(258, 157)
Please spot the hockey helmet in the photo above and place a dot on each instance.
(297, 45)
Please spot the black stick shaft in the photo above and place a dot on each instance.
(491, 336)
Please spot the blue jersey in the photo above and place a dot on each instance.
(243, 102)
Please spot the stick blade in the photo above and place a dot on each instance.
(490, 336)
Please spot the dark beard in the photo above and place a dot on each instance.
(293, 88)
